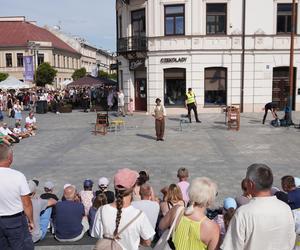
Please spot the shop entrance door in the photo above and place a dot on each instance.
(140, 94)
(281, 87)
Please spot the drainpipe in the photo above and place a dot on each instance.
(243, 57)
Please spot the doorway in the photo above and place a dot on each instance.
(174, 87)
(281, 87)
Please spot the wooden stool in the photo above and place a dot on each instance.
(233, 118)
(101, 124)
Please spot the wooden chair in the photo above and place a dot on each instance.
(233, 118)
(101, 124)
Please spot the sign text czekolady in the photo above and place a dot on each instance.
(173, 60)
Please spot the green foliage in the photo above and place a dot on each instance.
(45, 74)
(79, 73)
(3, 76)
(104, 74)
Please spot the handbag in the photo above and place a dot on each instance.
(163, 243)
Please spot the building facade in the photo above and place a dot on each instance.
(21, 38)
(166, 46)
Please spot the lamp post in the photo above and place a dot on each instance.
(34, 47)
(243, 57)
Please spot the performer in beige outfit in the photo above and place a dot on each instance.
(159, 113)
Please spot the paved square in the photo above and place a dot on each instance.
(65, 150)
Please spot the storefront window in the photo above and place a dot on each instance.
(215, 86)
(175, 86)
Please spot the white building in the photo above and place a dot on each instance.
(166, 46)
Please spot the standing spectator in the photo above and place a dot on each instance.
(194, 230)
(130, 107)
(121, 103)
(10, 105)
(112, 218)
(159, 113)
(15, 205)
(68, 219)
(142, 179)
(289, 186)
(31, 121)
(265, 222)
(18, 111)
(110, 99)
(149, 207)
(183, 175)
(99, 201)
(87, 195)
(103, 184)
(173, 198)
(245, 197)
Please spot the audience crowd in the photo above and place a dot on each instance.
(131, 216)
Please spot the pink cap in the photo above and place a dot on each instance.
(125, 178)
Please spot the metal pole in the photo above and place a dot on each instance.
(243, 57)
(291, 69)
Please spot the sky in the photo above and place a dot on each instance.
(93, 20)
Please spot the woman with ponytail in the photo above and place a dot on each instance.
(194, 231)
(111, 219)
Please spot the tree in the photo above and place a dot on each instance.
(79, 73)
(45, 74)
(3, 76)
(106, 75)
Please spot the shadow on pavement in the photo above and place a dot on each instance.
(146, 136)
(255, 121)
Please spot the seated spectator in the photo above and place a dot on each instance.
(149, 207)
(142, 179)
(112, 218)
(38, 206)
(289, 186)
(7, 132)
(99, 201)
(68, 218)
(194, 230)
(5, 139)
(183, 175)
(48, 189)
(173, 198)
(28, 129)
(31, 121)
(245, 197)
(19, 132)
(263, 223)
(103, 184)
(87, 196)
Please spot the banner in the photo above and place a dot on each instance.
(29, 70)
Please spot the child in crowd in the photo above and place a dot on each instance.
(130, 107)
(28, 129)
(87, 195)
(99, 201)
(19, 132)
(183, 175)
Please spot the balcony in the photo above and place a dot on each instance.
(133, 47)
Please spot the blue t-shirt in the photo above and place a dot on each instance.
(91, 217)
(68, 219)
(294, 198)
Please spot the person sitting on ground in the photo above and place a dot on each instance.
(194, 230)
(48, 189)
(173, 198)
(19, 132)
(39, 205)
(103, 184)
(111, 219)
(28, 129)
(31, 120)
(265, 222)
(142, 179)
(183, 175)
(149, 207)
(293, 193)
(99, 201)
(10, 135)
(245, 197)
(5, 139)
(69, 217)
(87, 196)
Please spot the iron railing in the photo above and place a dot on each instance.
(132, 44)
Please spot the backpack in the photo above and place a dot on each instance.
(110, 242)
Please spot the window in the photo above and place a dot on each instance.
(58, 61)
(138, 23)
(216, 18)
(8, 57)
(20, 59)
(284, 18)
(215, 85)
(40, 59)
(120, 27)
(174, 20)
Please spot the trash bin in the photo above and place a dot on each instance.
(41, 107)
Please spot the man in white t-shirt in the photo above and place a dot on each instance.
(112, 218)
(265, 223)
(15, 205)
(31, 120)
(150, 208)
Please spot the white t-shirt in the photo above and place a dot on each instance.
(264, 223)
(5, 131)
(130, 238)
(13, 185)
(121, 101)
(29, 120)
(150, 208)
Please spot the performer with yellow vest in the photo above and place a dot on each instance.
(191, 104)
(159, 113)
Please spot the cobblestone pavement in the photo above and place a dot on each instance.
(66, 151)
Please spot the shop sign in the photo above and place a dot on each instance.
(173, 60)
(134, 64)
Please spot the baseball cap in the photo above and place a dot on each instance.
(32, 186)
(125, 178)
(103, 181)
(67, 185)
(49, 185)
(229, 203)
(297, 181)
(88, 183)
